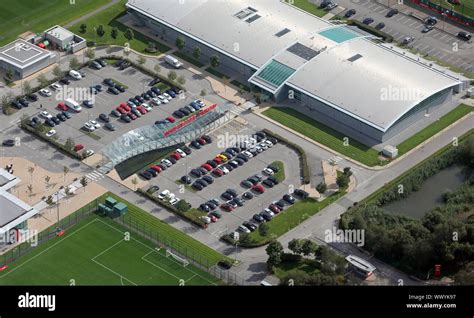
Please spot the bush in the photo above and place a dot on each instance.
(322, 187)
(386, 37)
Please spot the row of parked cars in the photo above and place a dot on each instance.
(273, 209)
(189, 109)
(165, 163)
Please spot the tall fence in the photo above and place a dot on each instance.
(44, 236)
(195, 259)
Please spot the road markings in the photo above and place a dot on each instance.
(95, 175)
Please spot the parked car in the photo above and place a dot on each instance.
(350, 13)
(368, 21)
(8, 143)
(380, 26)
(463, 35)
(391, 13)
(109, 126)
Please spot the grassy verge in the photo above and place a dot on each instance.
(308, 7)
(179, 240)
(188, 58)
(434, 128)
(108, 19)
(89, 133)
(217, 73)
(241, 86)
(323, 134)
(280, 175)
(289, 218)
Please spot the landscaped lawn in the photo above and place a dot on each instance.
(308, 7)
(188, 58)
(280, 175)
(107, 19)
(323, 134)
(434, 128)
(18, 16)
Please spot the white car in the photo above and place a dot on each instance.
(167, 96)
(147, 107)
(51, 133)
(174, 200)
(268, 171)
(55, 87)
(181, 153)
(46, 115)
(45, 92)
(164, 194)
(166, 162)
(259, 149)
(88, 126)
(88, 153)
(263, 145)
(156, 101)
(75, 74)
(247, 154)
(95, 124)
(270, 211)
(200, 102)
(268, 143)
(224, 169)
(243, 229)
(163, 99)
(206, 219)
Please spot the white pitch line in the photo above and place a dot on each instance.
(120, 275)
(107, 249)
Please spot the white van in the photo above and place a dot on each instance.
(72, 104)
(75, 74)
(173, 61)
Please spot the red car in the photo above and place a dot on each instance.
(132, 116)
(176, 156)
(213, 218)
(156, 168)
(78, 147)
(126, 107)
(170, 119)
(218, 172)
(227, 207)
(142, 110)
(202, 141)
(62, 106)
(121, 110)
(258, 188)
(206, 166)
(123, 105)
(218, 160)
(274, 208)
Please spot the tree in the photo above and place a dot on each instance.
(68, 191)
(43, 81)
(172, 76)
(6, 100)
(114, 33)
(322, 187)
(347, 171)
(90, 53)
(128, 34)
(295, 246)
(65, 172)
(263, 229)
(9, 75)
(27, 89)
(135, 182)
(31, 170)
(274, 251)
(24, 119)
(69, 143)
(466, 275)
(141, 60)
(57, 72)
(203, 92)
(183, 206)
(308, 247)
(84, 182)
(50, 200)
(47, 179)
(74, 63)
(181, 80)
(83, 28)
(342, 181)
(30, 189)
(100, 31)
(180, 42)
(157, 68)
(215, 61)
(197, 53)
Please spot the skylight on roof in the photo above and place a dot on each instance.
(281, 33)
(242, 14)
(354, 58)
(253, 18)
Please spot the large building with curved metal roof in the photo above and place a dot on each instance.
(366, 89)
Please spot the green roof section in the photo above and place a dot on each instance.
(339, 34)
(275, 73)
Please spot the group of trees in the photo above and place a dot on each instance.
(197, 53)
(322, 266)
(114, 32)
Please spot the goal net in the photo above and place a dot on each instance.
(178, 258)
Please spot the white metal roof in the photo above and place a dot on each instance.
(355, 88)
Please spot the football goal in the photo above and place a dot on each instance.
(178, 258)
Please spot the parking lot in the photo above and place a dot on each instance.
(169, 179)
(104, 102)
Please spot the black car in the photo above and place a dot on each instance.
(239, 161)
(125, 118)
(203, 171)
(231, 151)
(119, 63)
(146, 175)
(146, 96)
(280, 203)
(268, 183)
(325, 3)
(113, 90)
(196, 144)
(195, 173)
(288, 198)
(101, 62)
(109, 126)
(178, 114)
(186, 150)
(49, 123)
(153, 172)
(267, 217)
(368, 21)
(247, 195)
(55, 120)
(33, 97)
(350, 13)
(391, 13)
(61, 117)
(227, 196)
(273, 179)
(197, 186)
(202, 182)
(8, 143)
(120, 88)
(65, 81)
(253, 180)
(104, 118)
(163, 166)
(207, 138)
(463, 35)
(232, 191)
(88, 103)
(233, 164)
(228, 166)
(212, 163)
(184, 111)
(124, 65)
(23, 102)
(108, 82)
(151, 93)
(258, 218)
(155, 90)
(177, 90)
(16, 104)
(380, 26)
(208, 179)
(67, 115)
(243, 157)
(205, 207)
(172, 159)
(186, 180)
(301, 193)
(238, 201)
(246, 184)
(154, 81)
(153, 189)
(115, 113)
(36, 120)
(251, 226)
(273, 168)
(99, 88)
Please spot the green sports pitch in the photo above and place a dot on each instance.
(98, 251)
(18, 16)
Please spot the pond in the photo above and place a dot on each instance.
(430, 194)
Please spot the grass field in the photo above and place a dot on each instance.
(308, 7)
(96, 252)
(323, 134)
(18, 16)
(434, 128)
(466, 7)
(280, 175)
(107, 19)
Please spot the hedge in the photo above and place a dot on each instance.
(304, 172)
(385, 36)
(186, 215)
